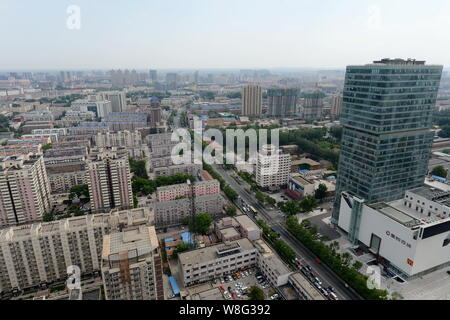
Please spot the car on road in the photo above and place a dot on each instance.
(324, 292)
(275, 296)
(332, 296)
(317, 260)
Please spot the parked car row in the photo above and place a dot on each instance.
(262, 281)
(235, 276)
(327, 292)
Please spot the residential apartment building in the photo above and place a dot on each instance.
(94, 104)
(36, 255)
(313, 105)
(119, 121)
(25, 189)
(131, 265)
(66, 173)
(161, 144)
(109, 179)
(272, 167)
(118, 100)
(251, 100)
(282, 102)
(336, 105)
(180, 201)
(14, 150)
(118, 139)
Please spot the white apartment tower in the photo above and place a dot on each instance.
(118, 139)
(118, 100)
(251, 100)
(109, 179)
(272, 167)
(24, 189)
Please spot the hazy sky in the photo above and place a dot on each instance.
(220, 33)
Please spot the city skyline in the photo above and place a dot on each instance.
(203, 34)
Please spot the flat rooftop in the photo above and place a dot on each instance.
(211, 253)
(246, 222)
(229, 232)
(394, 213)
(301, 180)
(430, 193)
(140, 238)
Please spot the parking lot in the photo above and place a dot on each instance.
(232, 287)
(236, 286)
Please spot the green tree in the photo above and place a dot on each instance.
(202, 223)
(260, 197)
(135, 201)
(48, 216)
(230, 193)
(321, 192)
(336, 132)
(307, 204)
(138, 167)
(231, 210)
(271, 201)
(284, 250)
(439, 171)
(256, 293)
(289, 207)
(47, 146)
(347, 258)
(80, 190)
(445, 132)
(357, 265)
(304, 166)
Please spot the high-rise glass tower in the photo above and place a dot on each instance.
(387, 138)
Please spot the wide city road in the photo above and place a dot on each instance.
(275, 219)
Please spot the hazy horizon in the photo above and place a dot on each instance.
(219, 35)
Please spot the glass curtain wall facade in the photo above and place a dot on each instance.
(387, 137)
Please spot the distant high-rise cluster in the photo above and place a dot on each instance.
(120, 79)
